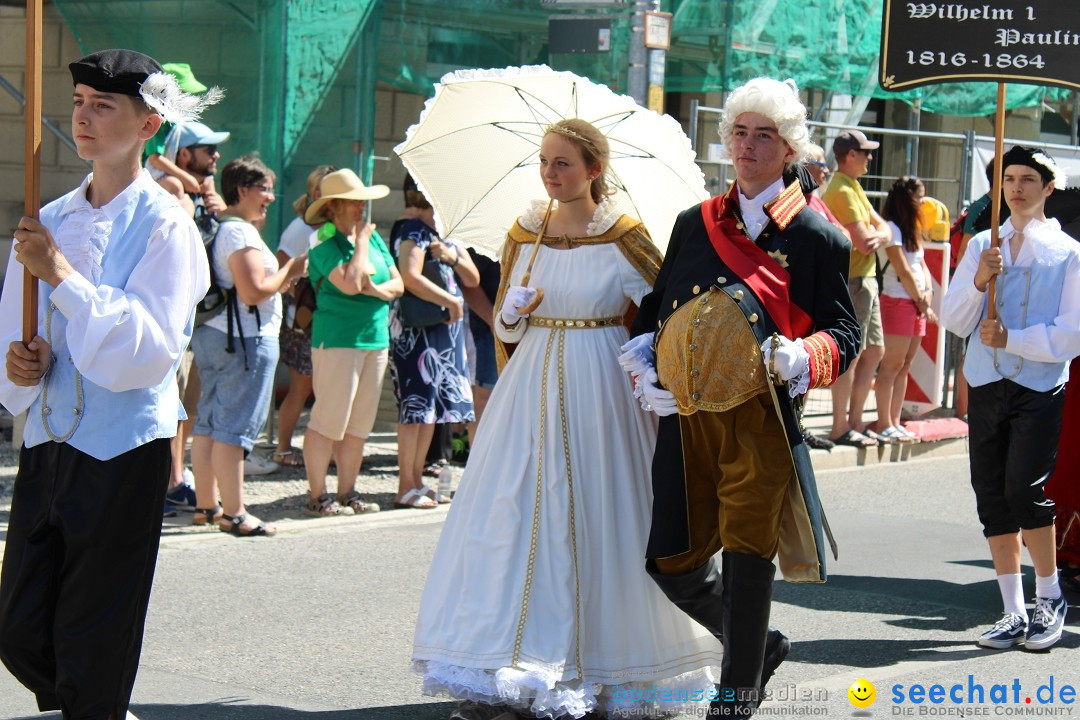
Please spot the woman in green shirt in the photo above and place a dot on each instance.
(355, 280)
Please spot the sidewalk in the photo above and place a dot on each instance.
(281, 496)
(940, 436)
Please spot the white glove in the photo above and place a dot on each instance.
(792, 363)
(638, 355)
(516, 296)
(652, 397)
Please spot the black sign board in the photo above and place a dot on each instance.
(579, 35)
(1024, 41)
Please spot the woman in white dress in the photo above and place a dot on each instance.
(537, 601)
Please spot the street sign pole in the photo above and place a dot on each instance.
(657, 38)
(635, 76)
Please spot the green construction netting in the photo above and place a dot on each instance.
(297, 89)
(831, 45)
(301, 74)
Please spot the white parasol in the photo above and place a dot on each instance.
(474, 151)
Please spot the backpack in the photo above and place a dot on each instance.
(214, 301)
(956, 237)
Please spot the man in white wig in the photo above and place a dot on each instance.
(750, 310)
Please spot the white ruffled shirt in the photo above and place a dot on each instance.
(962, 306)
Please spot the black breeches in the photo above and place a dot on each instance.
(79, 562)
(1013, 446)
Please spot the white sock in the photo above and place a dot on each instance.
(1047, 587)
(1012, 593)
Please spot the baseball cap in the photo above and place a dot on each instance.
(185, 78)
(853, 140)
(195, 133)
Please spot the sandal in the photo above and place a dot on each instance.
(415, 499)
(854, 438)
(434, 468)
(234, 526)
(289, 458)
(352, 501)
(817, 443)
(433, 494)
(905, 431)
(325, 506)
(206, 516)
(893, 434)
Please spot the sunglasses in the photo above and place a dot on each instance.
(268, 189)
(864, 151)
(210, 149)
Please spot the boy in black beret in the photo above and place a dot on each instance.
(1016, 366)
(120, 268)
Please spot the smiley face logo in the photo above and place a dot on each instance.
(862, 693)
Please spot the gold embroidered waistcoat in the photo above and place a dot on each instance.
(708, 357)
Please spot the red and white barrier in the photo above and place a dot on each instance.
(927, 379)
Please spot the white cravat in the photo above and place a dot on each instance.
(753, 209)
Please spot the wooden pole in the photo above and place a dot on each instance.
(32, 187)
(995, 195)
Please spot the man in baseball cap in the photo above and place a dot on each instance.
(852, 140)
(867, 230)
(197, 155)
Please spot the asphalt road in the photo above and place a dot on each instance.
(317, 623)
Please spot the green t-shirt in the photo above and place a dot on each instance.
(848, 202)
(349, 321)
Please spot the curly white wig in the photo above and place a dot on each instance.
(776, 100)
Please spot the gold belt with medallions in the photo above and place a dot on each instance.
(575, 323)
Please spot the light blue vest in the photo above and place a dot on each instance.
(1026, 296)
(112, 422)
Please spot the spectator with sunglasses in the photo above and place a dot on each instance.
(868, 231)
(197, 155)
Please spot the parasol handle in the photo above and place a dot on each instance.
(528, 309)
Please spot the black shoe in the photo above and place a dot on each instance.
(777, 647)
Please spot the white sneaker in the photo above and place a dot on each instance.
(256, 465)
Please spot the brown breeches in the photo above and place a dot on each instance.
(738, 469)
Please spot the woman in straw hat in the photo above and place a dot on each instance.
(355, 280)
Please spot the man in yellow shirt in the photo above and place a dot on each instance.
(867, 230)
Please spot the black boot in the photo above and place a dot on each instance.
(699, 594)
(748, 582)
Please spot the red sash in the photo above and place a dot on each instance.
(761, 273)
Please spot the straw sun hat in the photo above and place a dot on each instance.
(342, 185)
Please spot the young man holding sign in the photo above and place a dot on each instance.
(120, 267)
(1016, 366)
